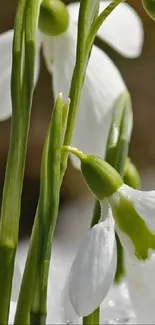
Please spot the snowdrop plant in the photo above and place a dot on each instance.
(94, 94)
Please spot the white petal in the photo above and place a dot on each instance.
(144, 203)
(73, 9)
(141, 285)
(93, 269)
(126, 242)
(69, 312)
(123, 29)
(16, 281)
(12, 312)
(6, 40)
(5, 74)
(70, 231)
(102, 86)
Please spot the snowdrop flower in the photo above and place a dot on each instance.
(103, 84)
(94, 267)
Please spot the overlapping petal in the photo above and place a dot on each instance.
(93, 269)
(123, 29)
(144, 203)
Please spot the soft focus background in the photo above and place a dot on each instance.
(139, 75)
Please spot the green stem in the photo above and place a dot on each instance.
(47, 213)
(26, 290)
(99, 21)
(10, 210)
(7, 255)
(76, 82)
(92, 319)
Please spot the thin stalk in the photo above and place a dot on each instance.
(92, 319)
(77, 80)
(99, 21)
(10, 210)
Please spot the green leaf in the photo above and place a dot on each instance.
(33, 291)
(149, 6)
(131, 175)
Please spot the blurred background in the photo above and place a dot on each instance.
(139, 75)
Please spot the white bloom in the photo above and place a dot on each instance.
(93, 270)
(103, 84)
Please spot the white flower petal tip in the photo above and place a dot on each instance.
(123, 30)
(12, 312)
(93, 269)
(17, 277)
(69, 312)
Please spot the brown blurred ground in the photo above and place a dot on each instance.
(139, 75)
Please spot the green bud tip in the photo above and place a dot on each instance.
(131, 175)
(53, 17)
(149, 6)
(102, 179)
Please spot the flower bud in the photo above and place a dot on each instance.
(131, 175)
(122, 107)
(102, 179)
(149, 6)
(53, 18)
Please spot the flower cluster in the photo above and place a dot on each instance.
(81, 275)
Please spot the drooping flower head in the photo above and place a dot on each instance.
(131, 212)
